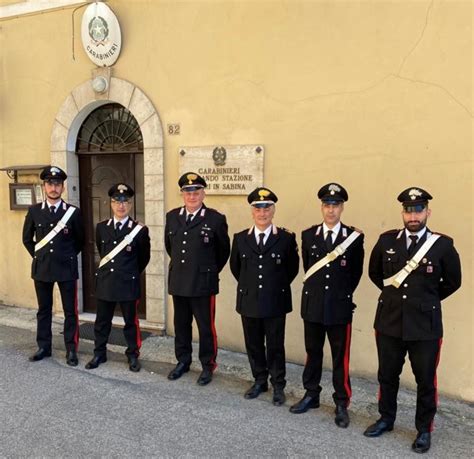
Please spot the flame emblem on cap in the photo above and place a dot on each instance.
(191, 178)
(333, 188)
(263, 194)
(414, 193)
(54, 170)
(122, 188)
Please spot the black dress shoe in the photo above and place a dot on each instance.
(422, 442)
(305, 404)
(71, 358)
(256, 390)
(40, 354)
(96, 361)
(178, 371)
(205, 377)
(342, 417)
(377, 429)
(134, 364)
(278, 397)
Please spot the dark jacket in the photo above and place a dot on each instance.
(119, 279)
(327, 294)
(198, 251)
(57, 260)
(264, 278)
(413, 311)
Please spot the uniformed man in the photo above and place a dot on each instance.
(264, 260)
(415, 268)
(333, 257)
(124, 248)
(197, 241)
(53, 234)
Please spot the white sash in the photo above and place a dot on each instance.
(397, 279)
(56, 230)
(127, 240)
(331, 256)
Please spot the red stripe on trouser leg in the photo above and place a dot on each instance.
(76, 312)
(379, 392)
(347, 354)
(435, 380)
(137, 326)
(212, 307)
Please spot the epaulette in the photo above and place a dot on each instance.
(391, 231)
(356, 229)
(310, 228)
(444, 235)
(285, 229)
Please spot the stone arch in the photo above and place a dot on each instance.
(72, 113)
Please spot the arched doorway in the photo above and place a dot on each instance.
(77, 106)
(110, 150)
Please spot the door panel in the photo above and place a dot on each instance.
(98, 172)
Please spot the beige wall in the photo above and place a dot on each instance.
(375, 95)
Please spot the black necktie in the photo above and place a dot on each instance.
(117, 228)
(328, 240)
(189, 219)
(260, 241)
(411, 247)
(52, 210)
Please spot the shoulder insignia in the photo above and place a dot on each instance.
(444, 235)
(356, 229)
(285, 229)
(313, 227)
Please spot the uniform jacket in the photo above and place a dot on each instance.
(264, 278)
(413, 311)
(198, 251)
(119, 279)
(327, 294)
(57, 260)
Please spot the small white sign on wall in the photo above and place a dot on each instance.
(101, 36)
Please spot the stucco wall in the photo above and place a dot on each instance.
(374, 95)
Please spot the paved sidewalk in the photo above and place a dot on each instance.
(454, 422)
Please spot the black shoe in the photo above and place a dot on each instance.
(256, 390)
(422, 442)
(377, 429)
(178, 371)
(134, 364)
(205, 377)
(71, 358)
(305, 404)
(40, 354)
(342, 417)
(279, 397)
(96, 361)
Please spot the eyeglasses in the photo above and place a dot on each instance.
(121, 203)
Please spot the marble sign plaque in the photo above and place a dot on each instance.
(227, 169)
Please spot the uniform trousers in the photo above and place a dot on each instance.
(269, 331)
(339, 337)
(44, 294)
(103, 326)
(424, 358)
(203, 309)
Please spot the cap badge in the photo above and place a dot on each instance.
(54, 170)
(414, 193)
(263, 194)
(333, 188)
(122, 188)
(191, 178)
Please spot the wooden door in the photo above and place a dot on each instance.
(104, 160)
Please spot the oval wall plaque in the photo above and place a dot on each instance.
(101, 35)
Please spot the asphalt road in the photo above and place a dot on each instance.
(51, 410)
